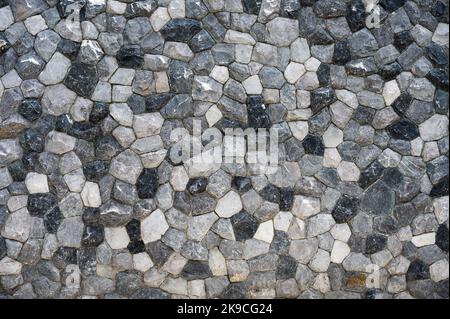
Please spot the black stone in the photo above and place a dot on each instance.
(402, 40)
(197, 185)
(320, 36)
(149, 293)
(159, 252)
(32, 140)
(46, 124)
(392, 177)
(196, 270)
(30, 161)
(136, 103)
(41, 203)
(244, 225)
(201, 41)
(136, 247)
(392, 5)
(356, 15)
(323, 74)
(437, 54)
(402, 103)
(251, 6)
(313, 144)
(286, 267)
(17, 171)
(65, 7)
(155, 102)
(95, 170)
(440, 189)
(140, 8)
(363, 115)
(130, 56)
(342, 53)
(107, 147)
(439, 77)
(345, 209)
(69, 48)
(91, 215)
(403, 130)
(147, 183)
(390, 71)
(441, 102)
(99, 112)
(234, 290)
(31, 109)
(180, 30)
(52, 220)
(386, 225)
(2, 248)
(405, 214)
(63, 123)
(65, 256)
(280, 243)
(87, 260)
(440, 11)
(134, 230)
(442, 237)
(290, 8)
(258, 116)
(321, 98)
(442, 288)
(270, 193)
(286, 199)
(375, 243)
(85, 131)
(93, 235)
(417, 270)
(241, 183)
(82, 79)
(180, 77)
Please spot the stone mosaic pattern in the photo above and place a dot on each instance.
(91, 206)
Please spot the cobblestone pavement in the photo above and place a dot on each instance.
(94, 204)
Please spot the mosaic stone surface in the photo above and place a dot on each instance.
(93, 206)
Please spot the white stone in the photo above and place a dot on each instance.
(57, 99)
(177, 9)
(341, 232)
(282, 221)
(116, 7)
(430, 151)
(117, 237)
(90, 32)
(17, 226)
(320, 262)
(213, 115)
(9, 266)
(35, 24)
(56, 69)
(340, 114)
(243, 53)
(416, 146)
(333, 136)
(331, 158)
(159, 18)
(121, 93)
(161, 82)
(265, 232)
(142, 262)
(300, 50)
(36, 183)
(81, 109)
(389, 158)
(282, 31)
(229, 205)
(154, 226)
(434, 128)
(11, 79)
(348, 98)
(70, 29)
(91, 195)
(70, 232)
(312, 64)
(252, 85)
(293, 72)
(6, 18)
(220, 74)
(237, 37)
(147, 124)
(123, 76)
(441, 207)
(102, 92)
(321, 283)
(440, 35)
(299, 129)
(391, 92)
(178, 50)
(305, 207)
(179, 178)
(59, 143)
(199, 226)
(121, 113)
(424, 239)
(348, 171)
(439, 270)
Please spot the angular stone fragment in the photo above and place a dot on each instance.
(82, 79)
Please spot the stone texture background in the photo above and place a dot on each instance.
(91, 206)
